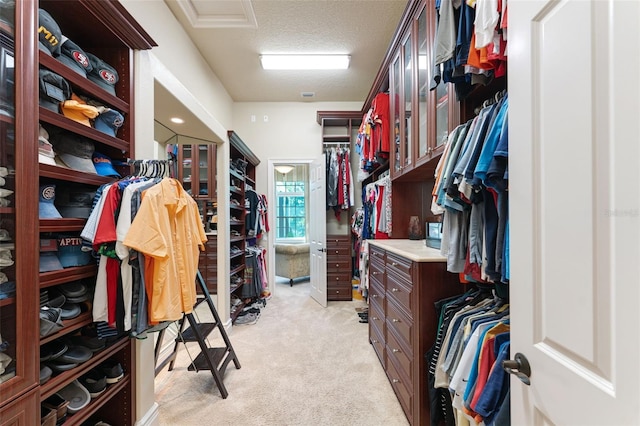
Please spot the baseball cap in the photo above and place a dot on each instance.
(74, 150)
(103, 74)
(54, 89)
(75, 201)
(72, 252)
(49, 34)
(109, 121)
(103, 165)
(77, 110)
(74, 57)
(46, 208)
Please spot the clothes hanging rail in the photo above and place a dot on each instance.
(153, 168)
(338, 144)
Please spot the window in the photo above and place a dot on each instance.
(291, 212)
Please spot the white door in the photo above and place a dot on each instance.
(574, 125)
(317, 231)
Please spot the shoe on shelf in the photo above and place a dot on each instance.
(112, 370)
(95, 381)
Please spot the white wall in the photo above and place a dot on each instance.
(182, 60)
(290, 132)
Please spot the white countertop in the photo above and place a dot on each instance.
(415, 250)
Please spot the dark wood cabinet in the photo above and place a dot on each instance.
(339, 267)
(402, 317)
(197, 173)
(107, 30)
(242, 175)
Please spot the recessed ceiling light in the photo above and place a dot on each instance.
(177, 120)
(304, 62)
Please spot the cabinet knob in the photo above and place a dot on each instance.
(374, 341)
(375, 272)
(395, 290)
(395, 381)
(374, 295)
(337, 265)
(395, 350)
(337, 251)
(395, 320)
(374, 318)
(337, 279)
(337, 291)
(394, 263)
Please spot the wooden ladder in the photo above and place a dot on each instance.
(214, 359)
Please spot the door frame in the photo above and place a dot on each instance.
(271, 213)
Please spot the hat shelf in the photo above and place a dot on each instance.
(82, 84)
(48, 279)
(63, 122)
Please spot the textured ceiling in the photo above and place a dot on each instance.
(231, 44)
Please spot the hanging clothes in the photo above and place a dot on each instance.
(169, 232)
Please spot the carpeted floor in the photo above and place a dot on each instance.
(302, 364)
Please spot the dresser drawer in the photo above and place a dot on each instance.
(399, 265)
(376, 274)
(398, 320)
(402, 292)
(376, 292)
(377, 341)
(376, 317)
(339, 251)
(401, 387)
(339, 293)
(338, 241)
(343, 277)
(377, 257)
(338, 264)
(403, 356)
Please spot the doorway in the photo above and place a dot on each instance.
(289, 216)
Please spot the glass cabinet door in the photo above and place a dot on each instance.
(9, 311)
(395, 107)
(442, 113)
(407, 99)
(203, 171)
(187, 168)
(423, 85)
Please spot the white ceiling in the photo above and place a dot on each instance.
(231, 34)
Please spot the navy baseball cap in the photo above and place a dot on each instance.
(46, 208)
(74, 57)
(109, 121)
(54, 89)
(103, 165)
(103, 74)
(74, 150)
(49, 34)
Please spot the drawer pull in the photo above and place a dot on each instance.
(394, 290)
(375, 272)
(374, 341)
(374, 295)
(394, 263)
(337, 291)
(337, 251)
(395, 350)
(337, 265)
(337, 279)
(375, 318)
(395, 381)
(395, 320)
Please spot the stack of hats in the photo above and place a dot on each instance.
(74, 150)
(72, 251)
(49, 261)
(46, 155)
(78, 110)
(54, 89)
(46, 206)
(75, 201)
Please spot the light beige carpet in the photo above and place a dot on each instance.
(302, 364)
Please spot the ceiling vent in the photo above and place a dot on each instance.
(307, 95)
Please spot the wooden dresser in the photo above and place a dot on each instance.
(405, 279)
(339, 267)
